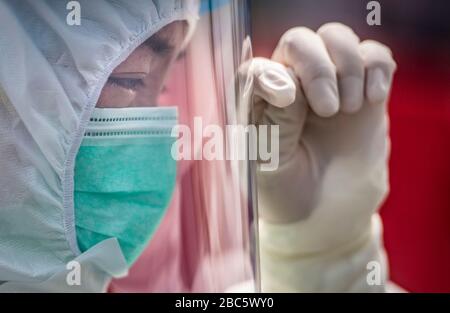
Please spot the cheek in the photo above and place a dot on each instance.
(115, 97)
(150, 94)
(159, 69)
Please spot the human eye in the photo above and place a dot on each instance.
(127, 83)
(160, 46)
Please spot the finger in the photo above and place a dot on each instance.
(380, 67)
(273, 82)
(304, 51)
(279, 101)
(343, 46)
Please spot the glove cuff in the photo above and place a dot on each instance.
(359, 265)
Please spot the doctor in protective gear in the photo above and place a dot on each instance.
(86, 170)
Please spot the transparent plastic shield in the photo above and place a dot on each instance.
(207, 238)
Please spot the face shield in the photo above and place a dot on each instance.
(206, 238)
(119, 149)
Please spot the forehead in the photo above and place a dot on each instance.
(172, 34)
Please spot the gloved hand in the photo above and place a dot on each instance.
(327, 91)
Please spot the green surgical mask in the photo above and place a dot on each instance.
(124, 177)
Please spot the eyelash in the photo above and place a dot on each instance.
(160, 48)
(127, 83)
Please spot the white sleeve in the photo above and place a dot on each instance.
(357, 266)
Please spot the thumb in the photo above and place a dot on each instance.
(272, 82)
(279, 101)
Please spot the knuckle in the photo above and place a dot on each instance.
(378, 54)
(291, 39)
(335, 28)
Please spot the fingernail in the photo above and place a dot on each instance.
(377, 86)
(323, 96)
(352, 93)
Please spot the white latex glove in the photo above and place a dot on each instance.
(319, 228)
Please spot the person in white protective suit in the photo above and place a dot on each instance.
(319, 227)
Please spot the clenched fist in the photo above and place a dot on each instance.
(327, 91)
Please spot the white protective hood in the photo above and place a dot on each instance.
(51, 75)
